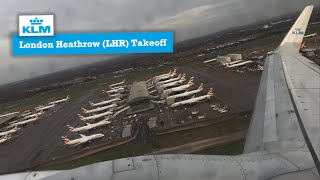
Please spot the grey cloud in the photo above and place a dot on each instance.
(188, 18)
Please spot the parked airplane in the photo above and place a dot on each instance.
(115, 95)
(185, 94)
(282, 141)
(171, 80)
(44, 107)
(88, 126)
(172, 84)
(111, 106)
(82, 118)
(120, 89)
(60, 101)
(21, 123)
(33, 115)
(15, 129)
(210, 60)
(117, 84)
(310, 35)
(105, 102)
(194, 99)
(5, 139)
(8, 114)
(239, 64)
(166, 74)
(234, 62)
(81, 140)
(167, 92)
(162, 78)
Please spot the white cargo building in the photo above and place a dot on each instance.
(235, 57)
(223, 59)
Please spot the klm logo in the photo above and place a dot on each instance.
(297, 31)
(36, 25)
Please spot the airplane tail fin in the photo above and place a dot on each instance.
(183, 78)
(68, 97)
(84, 110)
(70, 127)
(16, 128)
(294, 38)
(179, 76)
(81, 117)
(191, 81)
(174, 72)
(91, 103)
(7, 137)
(201, 87)
(65, 139)
(303, 45)
(210, 93)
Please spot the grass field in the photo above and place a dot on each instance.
(234, 148)
(164, 141)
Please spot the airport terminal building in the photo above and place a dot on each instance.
(139, 98)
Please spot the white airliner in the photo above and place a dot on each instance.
(26, 113)
(239, 64)
(20, 123)
(175, 83)
(166, 74)
(8, 114)
(81, 140)
(188, 93)
(44, 107)
(117, 87)
(120, 89)
(111, 106)
(82, 118)
(171, 80)
(105, 102)
(5, 139)
(117, 84)
(210, 60)
(116, 95)
(60, 101)
(164, 77)
(33, 115)
(310, 35)
(179, 88)
(234, 62)
(194, 99)
(88, 126)
(4, 133)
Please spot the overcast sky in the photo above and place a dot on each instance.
(188, 18)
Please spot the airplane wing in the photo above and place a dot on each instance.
(83, 136)
(286, 114)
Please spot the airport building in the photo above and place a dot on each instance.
(223, 59)
(235, 57)
(139, 98)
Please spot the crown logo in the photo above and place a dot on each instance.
(36, 21)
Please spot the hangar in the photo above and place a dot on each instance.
(139, 98)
